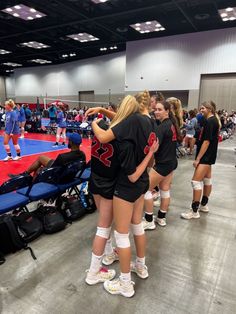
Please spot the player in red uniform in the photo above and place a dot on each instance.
(205, 157)
(161, 174)
(128, 196)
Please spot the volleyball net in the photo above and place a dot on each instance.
(47, 102)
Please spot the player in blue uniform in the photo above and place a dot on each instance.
(61, 125)
(11, 131)
(21, 120)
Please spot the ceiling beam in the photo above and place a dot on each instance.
(184, 14)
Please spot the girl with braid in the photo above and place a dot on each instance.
(168, 134)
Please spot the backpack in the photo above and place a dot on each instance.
(29, 226)
(70, 207)
(10, 239)
(52, 220)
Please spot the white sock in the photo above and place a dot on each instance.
(108, 248)
(96, 262)
(140, 260)
(125, 277)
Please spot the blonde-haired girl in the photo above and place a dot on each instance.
(128, 200)
(11, 131)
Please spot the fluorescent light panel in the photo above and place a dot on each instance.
(4, 52)
(99, 1)
(41, 61)
(148, 27)
(34, 44)
(23, 12)
(228, 14)
(12, 64)
(83, 37)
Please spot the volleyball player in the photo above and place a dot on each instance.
(11, 131)
(205, 157)
(129, 196)
(21, 120)
(61, 125)
(161, 174)
(106, 162)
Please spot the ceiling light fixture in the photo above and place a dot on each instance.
(83, 37)
(99, 1)
(12, 64)
(228, 14)
(4, 52)
(148, 27)
(34, 45)
(24, 12)
(40, 61)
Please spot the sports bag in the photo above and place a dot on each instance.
(10, 239)
(52, 220)
(70, 207)
(28, 225)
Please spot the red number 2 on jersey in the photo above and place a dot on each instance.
(151, 139)
(104, 157)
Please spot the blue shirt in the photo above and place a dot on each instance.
(11, 126)
(21, 115)
(61, 119)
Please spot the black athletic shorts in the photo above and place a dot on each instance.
(165, 168)
(102, 186)
(129, 191)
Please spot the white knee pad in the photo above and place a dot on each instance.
(196, 185)
(22, 128)
(164, 194)
(103, 232)
(148, 195)
(122, 240)
(137, 230)
(7, 147)
(63, 136)
(207, 181)
(17, 147)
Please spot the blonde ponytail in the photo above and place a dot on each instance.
(128, 106)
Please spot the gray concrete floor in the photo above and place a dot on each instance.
(191, 263)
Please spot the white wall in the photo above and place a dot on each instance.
(176, 62)
(167, 63)
(10, 86)
(99, 74)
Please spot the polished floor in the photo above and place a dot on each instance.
(191, 263)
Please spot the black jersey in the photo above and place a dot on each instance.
(137, 130)
(104, 157)
(209, 132)
(167, 137)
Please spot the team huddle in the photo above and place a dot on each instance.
(130, 158)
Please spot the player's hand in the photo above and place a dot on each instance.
(98, 120)
(92, 111)
(196, 163)
(154, 146)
